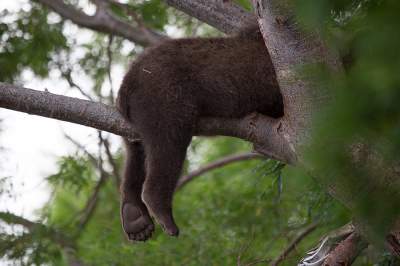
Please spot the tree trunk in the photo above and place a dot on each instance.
(304, 96)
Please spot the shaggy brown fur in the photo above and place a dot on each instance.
(166, 90)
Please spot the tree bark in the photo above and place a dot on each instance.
(304, 96)
(346, 251)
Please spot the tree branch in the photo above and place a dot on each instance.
(96, 115)
(53, 234)
(62, 240)
(308, 230)
(261, 130)
(96, 162)
(92, 158)
(91, 203)
(216, 164)
(67, 75)
(224, 15)
(112, 161)
(11, 218)
(393, 239)
(346, 251)
(103, 21)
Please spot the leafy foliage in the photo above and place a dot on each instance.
(75, 174)
(23, 245)
(28, 41)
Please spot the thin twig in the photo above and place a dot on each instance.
(91, 204)
(130, 12)
(91, 157)
(258, 261)
(109, 66)
(292, 245)
(243, 249)
(216, 164)
(112, 162)
(67, 75)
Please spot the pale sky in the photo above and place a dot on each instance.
(33, 144)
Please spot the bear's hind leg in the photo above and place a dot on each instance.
(164, 160)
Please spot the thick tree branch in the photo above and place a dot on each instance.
(317, 255)
(216, 164)
(96, 115)
(224, 15)
(103, 21)
(256, 128)
(346, 251)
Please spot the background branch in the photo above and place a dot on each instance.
(216, 164)
(224, 15)
(79, 146)
(103, 21)
(292, 245)
(11, 218)
(57, 237)
(91, 203)
(67, 75)
(112, 161)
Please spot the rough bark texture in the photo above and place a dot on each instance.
(290, 48)
(393, 239)
(96, 115)
(346, 251)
